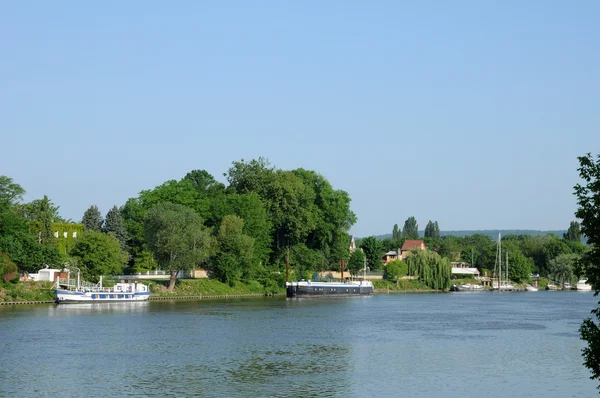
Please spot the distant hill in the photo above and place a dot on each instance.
(489, 232)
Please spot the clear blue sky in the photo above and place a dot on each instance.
(471, 113)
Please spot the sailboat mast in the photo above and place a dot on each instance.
(499, 260)
(506, 267)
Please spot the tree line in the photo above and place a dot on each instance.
(241, 231)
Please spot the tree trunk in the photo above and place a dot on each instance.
(172, 281)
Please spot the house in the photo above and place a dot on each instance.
(389, 256)
(409, 245)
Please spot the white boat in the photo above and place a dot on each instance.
(69, 291)
(531, 288)
(583, 286)
(119, 292)
(469, 287)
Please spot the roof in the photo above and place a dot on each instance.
(465, 271)
(413, 244)
(391, 253)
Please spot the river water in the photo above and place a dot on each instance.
(410, 345)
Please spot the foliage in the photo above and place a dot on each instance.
(113, 223)
(177, 237)
(432, 230)
(10, 192)
(573, 234)
(213, 287)
(356, 262)
(35, 210)
(8, 269)
(27, 291)
(562, 268)
(519, 266)
(233, 258)
(92, 219)
(372, 248)
(588, 200)
(432, 269)
(396, 233)
(411, 229)
(395, 269)
(45, 222)
(98, 254)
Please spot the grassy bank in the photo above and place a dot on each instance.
(206, 287)
(26, 291)
(404, 285)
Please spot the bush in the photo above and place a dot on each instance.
(8, 270)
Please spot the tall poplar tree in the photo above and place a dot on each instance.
(411, 229)
(573, 233)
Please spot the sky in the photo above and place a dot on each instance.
(469, 113)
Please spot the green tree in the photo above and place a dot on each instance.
(10, 192)
(588, 211)
(372, 248)
(92, 219)
(99, 254)
(411, 229)
(8, 269)
(519, 266)
(233, 258)
(562, 268)
(396, 234)
(356, 262)
(113, 223)
(436, 231)
(177, 237)
(46, 235)
(432, 269)
(429, 230)
(34, 210)
(395, 269)
(573, 233)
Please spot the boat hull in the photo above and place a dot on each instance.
(68, 297)
(320, 289)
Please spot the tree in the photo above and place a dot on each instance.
(177, 237)
(372, 249)
(356, 262)
(432, 230)
(92, 219)
(113, 223)
(396, 234)
(10, 192)
(99, 254)
(588, 211)
(395, 269)
(8, 269)
(411, 229)
(233, 258)
(573, 233)
(561, 269)
(432, 269)
(45, 222)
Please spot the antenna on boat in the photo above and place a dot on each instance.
(364, 267)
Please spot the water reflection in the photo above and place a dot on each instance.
(128, 307)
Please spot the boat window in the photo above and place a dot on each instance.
(103, 296)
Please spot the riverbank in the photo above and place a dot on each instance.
(29, 292)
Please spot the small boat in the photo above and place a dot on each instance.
(469, 287)
(531, 288)
(583, 286)
(315, 289)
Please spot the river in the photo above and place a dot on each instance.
(411, 345)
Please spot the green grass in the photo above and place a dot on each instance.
(26, 291)
(382, 286)
(206, 287)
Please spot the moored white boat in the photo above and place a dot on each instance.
(531, 288)
(583, 286)
(118, 293)
(469, 287)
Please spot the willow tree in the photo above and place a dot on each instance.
(177, 237)
(432, 269)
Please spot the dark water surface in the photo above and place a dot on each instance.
(427, 345)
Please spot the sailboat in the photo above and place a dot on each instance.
(499, 285)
